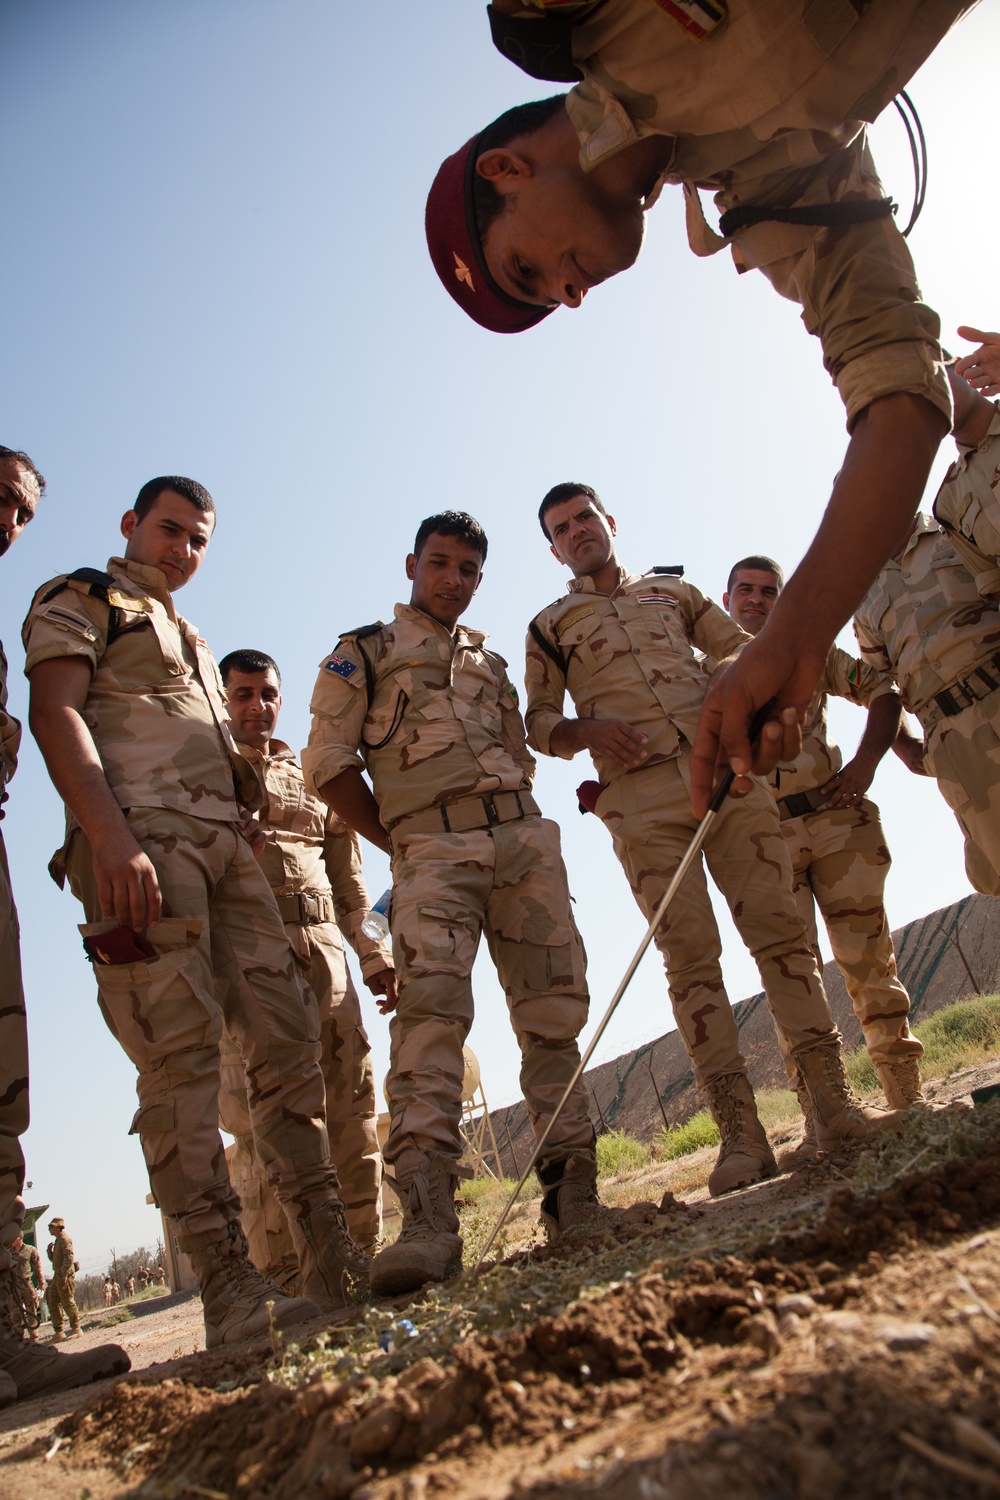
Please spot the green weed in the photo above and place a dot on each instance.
(681, 1140)
(619, 1152)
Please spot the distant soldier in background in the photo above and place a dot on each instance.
(160, 1276)
(107, 1291)
(312, 861)
(29, 1284)
(60, 1289)
(130, 1286)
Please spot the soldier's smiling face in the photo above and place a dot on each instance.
(752, 598)
(254, 700)
(173, 536)
(445, 576)
(582, 538)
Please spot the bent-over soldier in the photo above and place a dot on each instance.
(312, 862)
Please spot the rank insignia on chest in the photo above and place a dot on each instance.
(129, 602)
(341, 666)
(573, 618)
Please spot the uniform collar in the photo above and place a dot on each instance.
(922, 526)
(463, 635)
(587, 586)
(153, 579)
(278, 750)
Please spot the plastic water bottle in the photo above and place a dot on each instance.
(376, 923)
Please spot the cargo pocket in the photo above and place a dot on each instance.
(156, 1007)
(436, 939)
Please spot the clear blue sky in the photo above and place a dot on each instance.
(214, 265)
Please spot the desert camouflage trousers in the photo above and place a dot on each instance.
(13, 1069)
(839, 863)
(219, 918)
(648, 814)
(963, 753)
(351, 1115)
(62, 1303)
(448, 888)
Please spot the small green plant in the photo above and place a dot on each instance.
(619, 1152)
(776, 1107)
(484, 1192)
(956, 1036)
(681, 1140)
(120, 1315)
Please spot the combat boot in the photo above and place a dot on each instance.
(333, 1270)
(571, 1200)
(900, 1080)
(807, 1149)
(838, 1114)
(34, 1371)
(429, 1246)
(745, 1157)
(237, 1302)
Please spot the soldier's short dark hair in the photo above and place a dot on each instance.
(567, 491)
(452, 523)
(248, 661)
(759, 564)
(22, 458)
(487, 203)
(189, 488)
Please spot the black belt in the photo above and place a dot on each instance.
(797, 804)
(962, 694)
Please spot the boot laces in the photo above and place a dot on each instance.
(338, 1236)
(420, 1221)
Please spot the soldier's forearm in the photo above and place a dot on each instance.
(880, 730)
(351, 799)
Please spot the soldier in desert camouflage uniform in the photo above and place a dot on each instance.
(29, 1284)
(925, 624)
(623, 646)
(433, 717)
(968, 503)
(62, 1282)
(312, 861)
(25, 1370)
(127, 707)
(834, 835)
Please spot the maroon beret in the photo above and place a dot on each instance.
(457, 253)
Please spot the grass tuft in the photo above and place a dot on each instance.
(681, 1140)
(958, 1036)
(619, 1152)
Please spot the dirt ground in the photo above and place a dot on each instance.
(833, 1334)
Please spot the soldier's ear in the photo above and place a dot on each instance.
(130, 521)
(501, 164)
(411, 566)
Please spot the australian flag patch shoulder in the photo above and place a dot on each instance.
(340, 665)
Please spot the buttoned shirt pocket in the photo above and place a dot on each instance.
(585, 641)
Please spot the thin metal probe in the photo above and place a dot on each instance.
(691, 854)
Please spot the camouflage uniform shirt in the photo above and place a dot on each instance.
(845, 677)
(10, 730)
(442, 724)
(769, 110)
(155, 706)
(924, 623)
(968, 504)
(626, 655)
(311, 852)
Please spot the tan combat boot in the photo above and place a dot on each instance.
(34, 1371)
(237, 1302)
(807, 1149)
(333, 1270)
(429, 1246)
(571, 1200)
(838, 1114)
(745, 1157)
(900, 1080)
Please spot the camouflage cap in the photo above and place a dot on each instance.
(457, 252)
(57, 1223)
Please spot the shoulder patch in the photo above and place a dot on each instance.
(130, 602)
(676, 571)
(567, 621)
(657, 599)
(340, 666)
(363, 631)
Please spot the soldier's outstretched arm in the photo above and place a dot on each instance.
(875, 497)
(126, 880)
(981, 368)
(351, 799)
